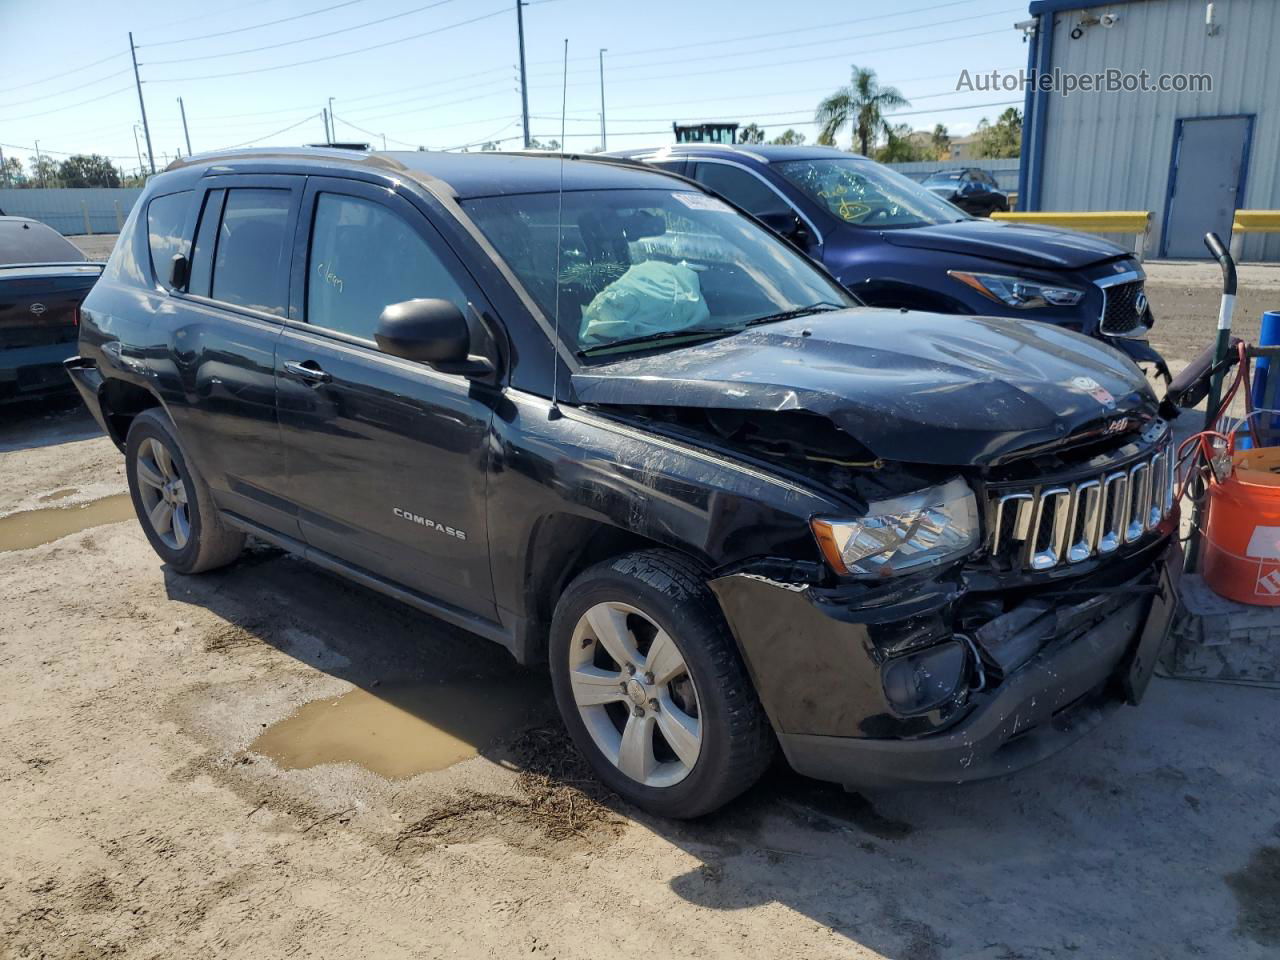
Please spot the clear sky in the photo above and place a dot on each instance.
(443, 72)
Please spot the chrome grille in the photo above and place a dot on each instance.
(1042, 526)
(1124, 308)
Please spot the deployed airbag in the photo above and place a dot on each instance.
(651, 297)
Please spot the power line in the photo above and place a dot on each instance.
(77, 87)
(432, 96)
(289, 43)
(70, 106)
(334, 56)
(62, 73)
(816, 43)
(256, 26)
(434, 106)
(835, 56)
(774, 33)
(64, 153)
(268, 136)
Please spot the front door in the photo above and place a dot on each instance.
(1208, 174)
(387, 458)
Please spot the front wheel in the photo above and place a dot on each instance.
(652, 689)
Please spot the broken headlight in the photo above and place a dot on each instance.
(901, 534)
(1019, 292)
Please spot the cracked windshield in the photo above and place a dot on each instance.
(866, 194)
(642, 266)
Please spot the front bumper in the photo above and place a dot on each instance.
(829, 709)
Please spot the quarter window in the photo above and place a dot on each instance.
(363, 258)
(166, 219)
(251, 265)
(744, 189)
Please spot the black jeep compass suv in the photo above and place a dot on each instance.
(597, 415)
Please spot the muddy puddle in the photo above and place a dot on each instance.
(31, 528)
(400, 731)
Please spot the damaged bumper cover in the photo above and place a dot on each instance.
(891, 690)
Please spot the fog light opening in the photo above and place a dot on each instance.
(922, 681)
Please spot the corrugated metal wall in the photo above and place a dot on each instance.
(1112, 151)
(1005, 171)
(65, 210)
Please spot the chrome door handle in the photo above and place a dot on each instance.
(308, 371)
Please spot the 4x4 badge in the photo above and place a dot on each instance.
(1095, 390)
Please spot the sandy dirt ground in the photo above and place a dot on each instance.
(143, 814)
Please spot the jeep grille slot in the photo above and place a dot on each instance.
(1041, 526)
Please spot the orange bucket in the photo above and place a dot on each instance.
(1241, 552)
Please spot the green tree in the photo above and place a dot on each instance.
(941, 142)
(536, 144)
(751, 133)
(899, 146)
(88, 170)
(44, 173)
(1001, 139)
(789, 138)
(861, 105)
(11, 175)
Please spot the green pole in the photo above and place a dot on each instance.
(1221, 345)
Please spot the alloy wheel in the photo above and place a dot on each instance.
(635, 695)
(163, 494)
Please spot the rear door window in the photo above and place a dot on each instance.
(363, 258)
(745, 189)
(251, 262)
(166, 223)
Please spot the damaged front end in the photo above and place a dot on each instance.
(958, 667)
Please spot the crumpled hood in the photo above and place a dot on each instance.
(1045, 248)
(911, 387)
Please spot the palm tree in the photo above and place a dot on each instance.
(862, 104)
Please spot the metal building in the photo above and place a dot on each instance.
(1191, 157)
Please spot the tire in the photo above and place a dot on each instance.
(164, 485)
(653, 609)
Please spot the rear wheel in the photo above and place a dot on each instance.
(172, 500)
(651, 687)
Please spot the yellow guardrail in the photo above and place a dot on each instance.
(1256, 221)
(1137, 222)
(1252, 221)
(1110, 221)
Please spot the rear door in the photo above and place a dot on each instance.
(216, 370)
(387, 458)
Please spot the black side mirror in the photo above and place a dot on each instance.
(433, 332)
(179, 272)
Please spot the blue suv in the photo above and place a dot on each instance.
(894, 243)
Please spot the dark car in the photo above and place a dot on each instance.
(895, 244)
(43, 278)
(973, 190)
(623, 430)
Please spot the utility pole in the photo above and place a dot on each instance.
(604, 142)
(384, 143)
(524, 79)
(138, 148)
(133, 52)
(183, 110)
(4, 170)
(324, 112)
(39, 163)
(333, 123)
